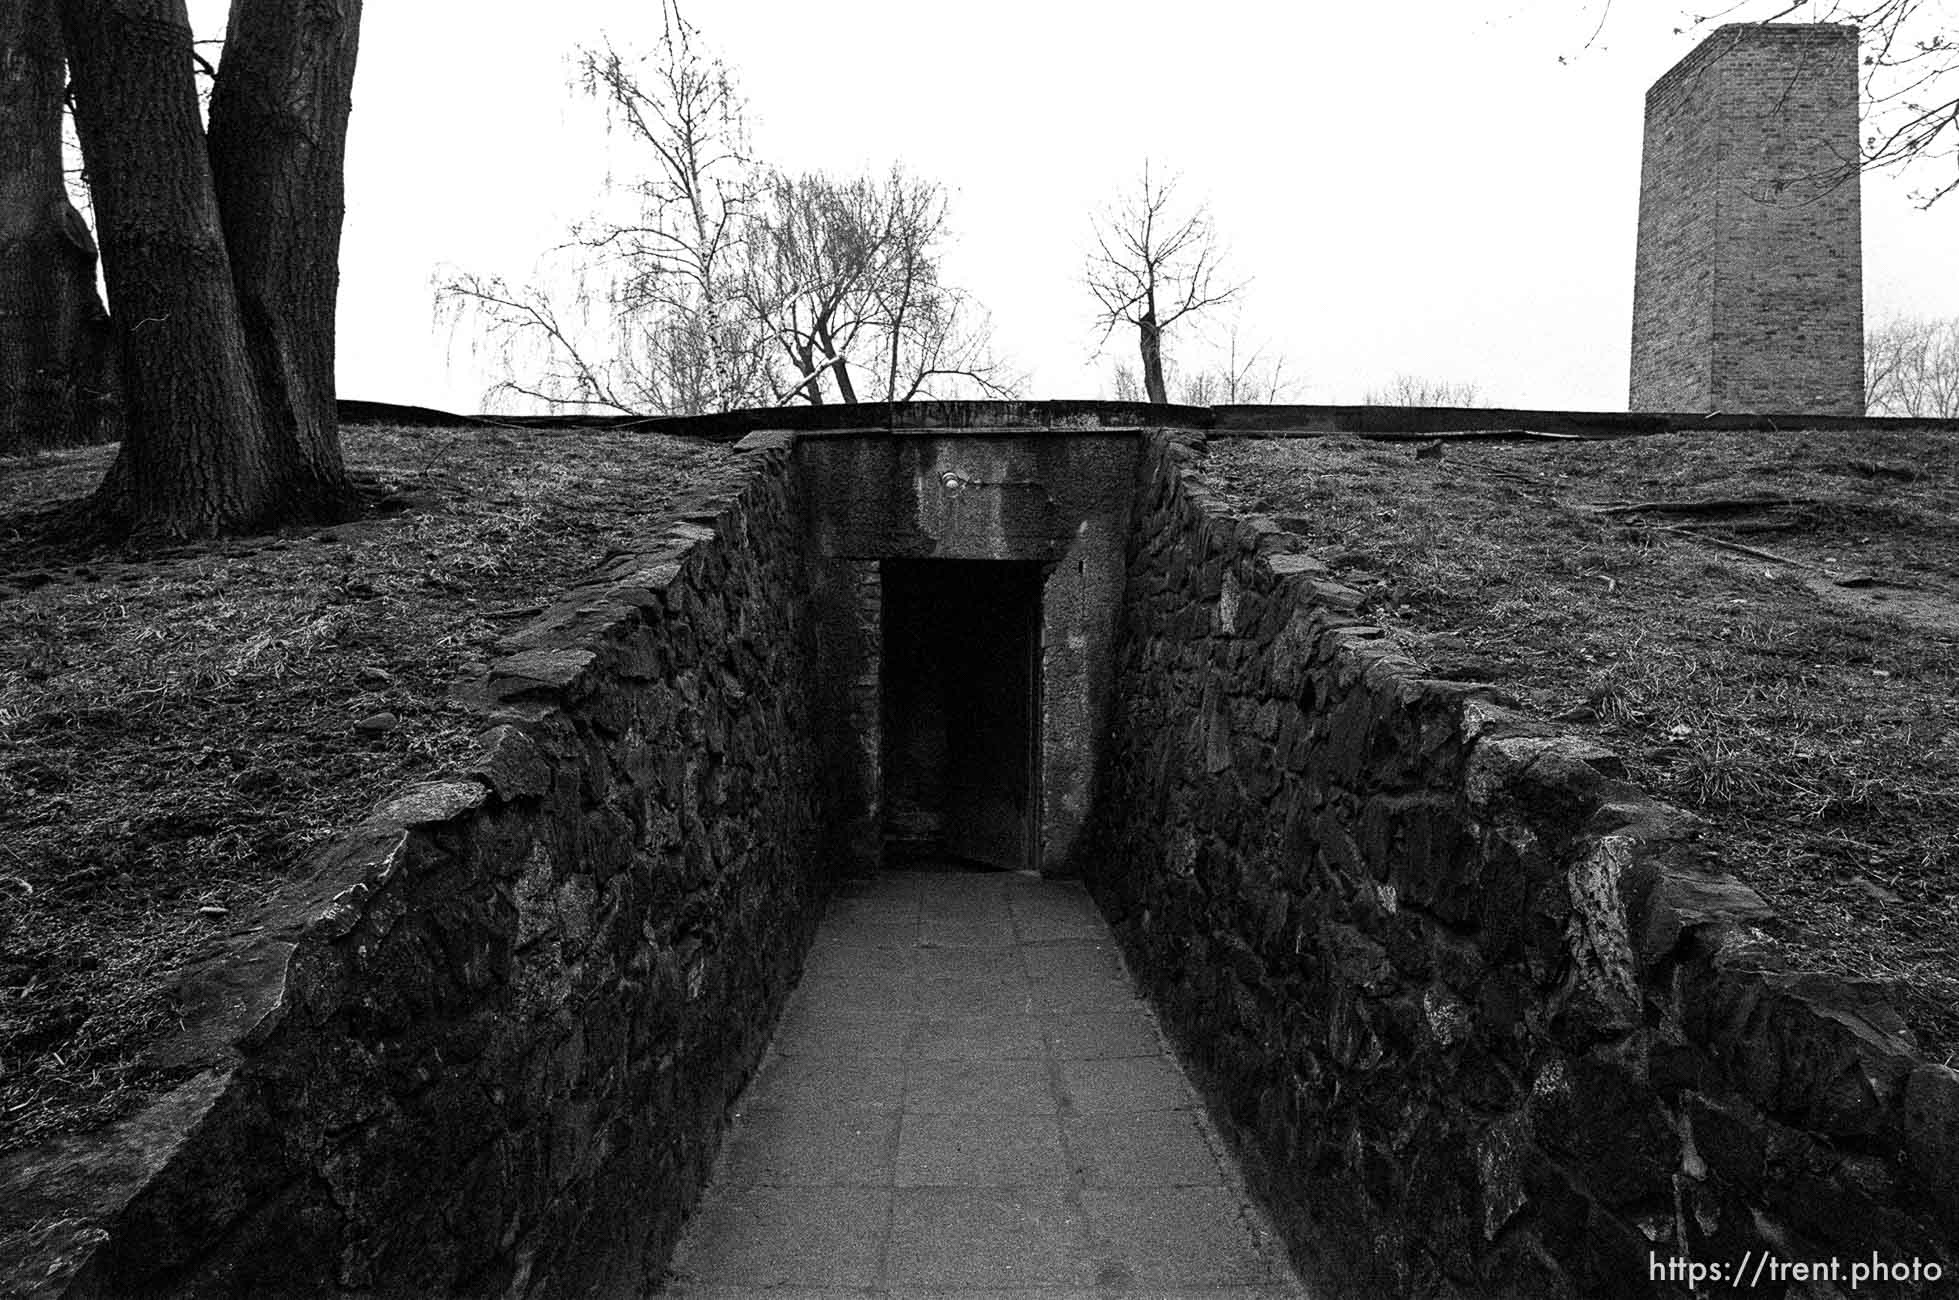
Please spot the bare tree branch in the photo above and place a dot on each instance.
(1910, 63)
(1239, 373)
(845, 276)
(1911, 368)
(1151, 267)
(725, 283)
(1420, 390)
(528, 328)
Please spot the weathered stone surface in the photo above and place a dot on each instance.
(1473, 999)
(1932, 1136)
(1491, 1027)
(1600, 1000)
(59, 1195)
(1065, 502)
(1683, 907)
(432, 803)
(544, 668)
(1820, 1051)
(511, 763)
(486, 1047)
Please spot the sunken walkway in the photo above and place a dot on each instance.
(966, 1098)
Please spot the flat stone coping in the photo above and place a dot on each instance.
(967, 1098)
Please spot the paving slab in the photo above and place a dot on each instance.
(967, 1100)
(988, 1236)
(799, 1147)
(978, 1038)
(1175, 1236)
(1123, 1084)
(791, 1236)
(1111, 1032)
(821, 1083)
(1073, 963)
(981, 1151)
(862, 962)
(1155, 1148)
(1009, 1087)
(814, 1028)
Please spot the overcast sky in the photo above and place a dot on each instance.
(1439, 188)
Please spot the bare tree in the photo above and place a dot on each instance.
(1911, 368)
(666, 272)
(845, 277)
(939, 343)
(549, 348)
(729, 285)
(1152, 266)
(1204, 388)
(681, 252)
(1418, 390)
(1240, 373)
(1127, 384)
(809, 279)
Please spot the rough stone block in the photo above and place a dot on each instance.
(543, 669)
(1931, 1133)
(511, 763)
(1686, 912)
(1600, 1000)
(1814, 1050)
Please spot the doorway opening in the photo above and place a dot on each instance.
(960, 682)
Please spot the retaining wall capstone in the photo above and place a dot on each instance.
(488, 1047)
(1486, 1019)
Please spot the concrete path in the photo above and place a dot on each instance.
(967, 1099)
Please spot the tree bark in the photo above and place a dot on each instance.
(195, 457)
(56, 387)
(1149, 339)
(223, 303)
(278, 144)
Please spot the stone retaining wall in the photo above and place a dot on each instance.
(488, 1047)
(1486, 1018)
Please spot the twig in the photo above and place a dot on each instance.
(1736, 547)
(1706, 506)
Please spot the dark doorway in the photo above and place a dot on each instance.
(961, 680)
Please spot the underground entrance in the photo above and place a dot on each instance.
(966, 585)
(960, 684)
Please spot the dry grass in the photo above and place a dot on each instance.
(178, 727)
(1815, 725)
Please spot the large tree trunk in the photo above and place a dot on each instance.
(1149, 339)
(227, 367)
(195, 456)
(55, 383)
(278, 145)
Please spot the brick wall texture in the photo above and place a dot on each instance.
(1748, 288)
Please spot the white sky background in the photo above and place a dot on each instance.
(1418, 186)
